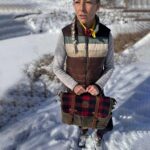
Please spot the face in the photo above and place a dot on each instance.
(85, 10)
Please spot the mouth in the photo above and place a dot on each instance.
(82, 16)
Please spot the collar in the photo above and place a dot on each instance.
(89, 31)
(82, 29)
(78, 30)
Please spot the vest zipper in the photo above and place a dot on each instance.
(86, 69)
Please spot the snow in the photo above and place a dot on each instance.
(41, 128)
(34, 123)
(16, 52)
(143, 52)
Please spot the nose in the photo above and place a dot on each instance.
(82, 6)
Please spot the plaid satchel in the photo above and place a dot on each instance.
(86, 110)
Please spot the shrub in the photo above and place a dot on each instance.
(123, 41)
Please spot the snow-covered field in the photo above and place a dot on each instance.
(34, 122)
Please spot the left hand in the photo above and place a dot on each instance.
(93, 90)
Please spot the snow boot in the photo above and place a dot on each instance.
(83, 135)
(98, 139)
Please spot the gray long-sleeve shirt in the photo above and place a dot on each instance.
(66, 79)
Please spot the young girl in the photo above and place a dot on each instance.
(85, 47)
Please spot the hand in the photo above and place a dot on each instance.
(79, 89)
(93, 90)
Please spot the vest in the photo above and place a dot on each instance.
(87, 65)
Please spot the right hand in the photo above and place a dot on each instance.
(79, 89)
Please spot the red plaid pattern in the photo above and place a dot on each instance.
(85, 104)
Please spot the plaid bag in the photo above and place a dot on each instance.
(86, 110)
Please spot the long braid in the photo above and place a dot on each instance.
(74, 35)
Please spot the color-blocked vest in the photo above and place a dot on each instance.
(87, 65)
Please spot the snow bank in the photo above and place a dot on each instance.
(16, 52)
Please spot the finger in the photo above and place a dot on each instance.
(78, 93)
(94, 94)
(94, 89)
(88, 88)
(91, 90)
(78, 90)
(82, 90)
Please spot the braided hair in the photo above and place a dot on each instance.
(73, 34)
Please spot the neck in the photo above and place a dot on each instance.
(90, 24)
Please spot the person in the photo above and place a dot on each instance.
(84, 57)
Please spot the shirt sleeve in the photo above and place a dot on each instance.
(108, 64)
(58, 64)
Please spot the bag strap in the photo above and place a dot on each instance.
(72, 109)
(96, 112)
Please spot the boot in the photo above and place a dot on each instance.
(98, 137)
(83, 135)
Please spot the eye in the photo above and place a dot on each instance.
(88, 2)
(76, 1)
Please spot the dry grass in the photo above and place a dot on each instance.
(123, 41)
(34, 71)
(39, 68)
(41, 63)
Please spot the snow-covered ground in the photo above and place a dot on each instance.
(39, 127)
(34, 122)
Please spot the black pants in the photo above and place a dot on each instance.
(109, 127)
